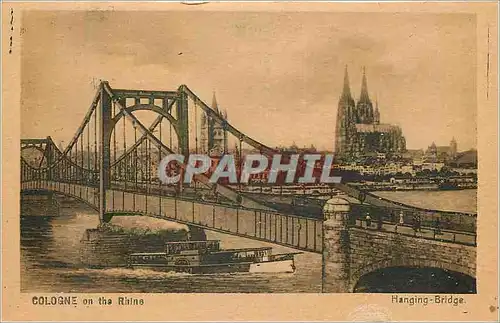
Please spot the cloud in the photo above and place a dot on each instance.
(279, 75)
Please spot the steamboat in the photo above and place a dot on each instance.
(206, 257)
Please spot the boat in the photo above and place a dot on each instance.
(447, 186)
(206, 257)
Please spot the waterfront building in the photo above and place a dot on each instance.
(432, 166)
(441, 154)
(416, 156)
(359, 131)
(466, 159)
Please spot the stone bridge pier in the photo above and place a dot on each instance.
(351, 252)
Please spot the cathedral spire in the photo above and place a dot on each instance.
(346, 92)
(364, 97)
(215, 107)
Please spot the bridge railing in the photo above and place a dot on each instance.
(453, 221)
(289, 230)
(77, 177)
(441, 226)
(289, 190)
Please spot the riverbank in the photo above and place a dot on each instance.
(387, 186)
(453, 201)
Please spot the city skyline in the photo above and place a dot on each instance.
(423, 74)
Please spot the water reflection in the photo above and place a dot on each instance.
(50, 259)
(50, 262)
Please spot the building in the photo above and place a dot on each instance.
(213, 137)
(442, 154)
(466, 160)
(359, 131)
(415, 156)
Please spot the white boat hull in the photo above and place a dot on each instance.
(280, 266)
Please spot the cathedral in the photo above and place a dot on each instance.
(359, 132)
(213, 138)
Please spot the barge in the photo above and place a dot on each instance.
(206, 257)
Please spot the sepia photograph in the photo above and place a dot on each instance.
(215, 151)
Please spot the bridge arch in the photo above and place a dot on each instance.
(145, 107)
(407, 262)
(41, 152)
(60, 158)
(141, 107)
(40, 149)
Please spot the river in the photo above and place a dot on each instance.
(456, 201)
(50, 257)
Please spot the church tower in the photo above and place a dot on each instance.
(345, 120)
(213, 136)
(376, 114)
(204, 134)
(364, 107)
(453, 148)
(358, 130)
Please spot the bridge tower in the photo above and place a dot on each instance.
(183, 121)
(105, 127)
(336, 258)
(107, 122)
(49, 157)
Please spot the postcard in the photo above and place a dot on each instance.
(220, 161)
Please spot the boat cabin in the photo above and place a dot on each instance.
(207, 257)
(178, 247)
(240, 255)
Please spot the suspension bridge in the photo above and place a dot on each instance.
(111, 165)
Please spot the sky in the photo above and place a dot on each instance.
(279, 75)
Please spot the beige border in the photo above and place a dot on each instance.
(321, 307)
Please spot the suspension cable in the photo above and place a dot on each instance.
(159, 161)
(76, 158)
(114, 146)
(81, 151)
(171, 148)
(136, 170)
(70, 166)
(125, 169)
(95, 144)
(88, 151)
(147, 174)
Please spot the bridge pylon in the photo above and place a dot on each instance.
(183, 121)
(336, 259)
(105, 127)
(49, 157)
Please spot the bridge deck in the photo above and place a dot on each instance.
(298, 232)
(288, 230)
